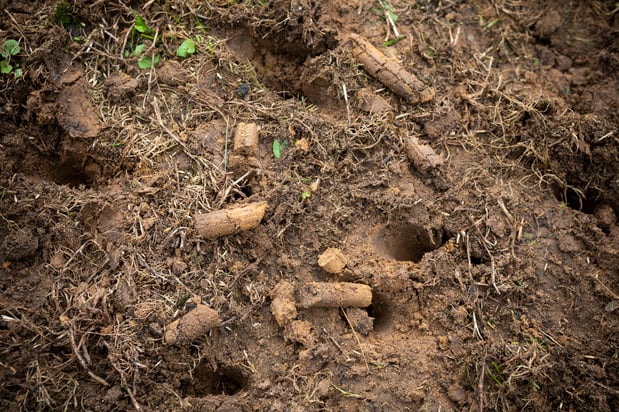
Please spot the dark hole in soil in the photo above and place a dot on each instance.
(67, 170)
(102, 350)
(381, 310)
(280, 57)
(225, 380)
(478, 260)
(585, 203)
(404, 241)
(70, 173)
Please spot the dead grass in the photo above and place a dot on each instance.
(168, 176)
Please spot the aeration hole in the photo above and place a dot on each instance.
(224, 380)
(381, 309)
(405, 241)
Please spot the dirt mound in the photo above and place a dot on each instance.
(191, 191)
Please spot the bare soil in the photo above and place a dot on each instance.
(491, 246)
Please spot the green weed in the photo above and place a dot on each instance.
(186, 49)
(279, 147)
(345, 392)
(63, 15)
(10, 48)
(139, 34)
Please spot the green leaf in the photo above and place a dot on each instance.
(11, 46)
(186, 49)
(146, 62)
(393, 41)
(492, 23)
(18, 73)
(199, 25)
(345, 392)
(139, 49)
(5, 67)
(141, 27)
(306, 194)
(388, 10)
(277, 149)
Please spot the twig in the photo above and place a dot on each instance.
(76, 352)
(235, 183)
(354, 333)
(492, 266)
(476, 330)
(335, 343)
(480, 386)
(392, 24)
(509, 216)
(123, 380)
(347, 104)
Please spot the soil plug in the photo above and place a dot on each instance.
(246, 139)
(283, 306)
(229, 221)
(195, 323)
(333, 295)
(332, 260)
(389, 72)
(422, 155)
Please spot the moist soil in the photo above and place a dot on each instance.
(484, 220)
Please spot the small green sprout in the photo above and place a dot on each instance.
(489, 25)
(391, 42)
(388, 10)
(63, 15)
(146, 62)
(210, 47)
(494, 377)
(306, 195)
(199, 25)
(141, 27)
(186, 49)
(492, 23)
(9, 49)
(345, 392)
(278, 148)
(141, 31)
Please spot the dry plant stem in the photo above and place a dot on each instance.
(337, 345)
(155, 104)
(492, 266)
(76, 352)
(390, 73)
(345, 93)
(156, 274)
(123, 380)
(16, 25)
(357, 339)
(476, 331)
(396, 33)
(480, 386)
(229, 221)
(233, 184)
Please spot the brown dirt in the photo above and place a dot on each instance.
(493, 266)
